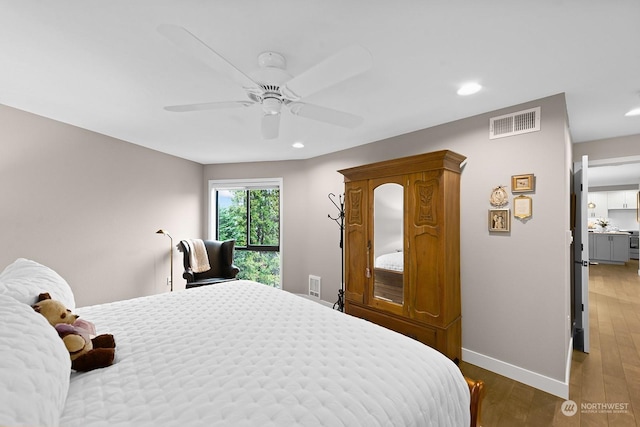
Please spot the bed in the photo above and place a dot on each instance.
(388, 276)
(393, 261)
(233, 354)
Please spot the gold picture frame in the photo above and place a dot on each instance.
(522, 207)
(522, 183)
(499, 220)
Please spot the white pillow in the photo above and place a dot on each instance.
(24, 280)
(35, 367)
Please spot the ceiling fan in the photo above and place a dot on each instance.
(271, 86)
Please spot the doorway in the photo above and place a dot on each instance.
(589, 174)
(580, 278)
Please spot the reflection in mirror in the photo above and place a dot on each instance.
(388, 252)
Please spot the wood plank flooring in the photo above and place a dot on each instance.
(609, 374)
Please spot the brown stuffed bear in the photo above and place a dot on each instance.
(86, 353)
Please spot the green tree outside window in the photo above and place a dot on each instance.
(252, 218)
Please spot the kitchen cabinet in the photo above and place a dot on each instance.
(620, 247)
(626, 199)
(601, 209)
(609, 247)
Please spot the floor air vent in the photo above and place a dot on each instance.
(314, 286)
(515, 123)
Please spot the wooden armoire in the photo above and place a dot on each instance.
(402, 247)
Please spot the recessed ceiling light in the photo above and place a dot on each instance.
(634, 112)
(469, 89)
(297, 145)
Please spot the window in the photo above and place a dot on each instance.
(249, 212)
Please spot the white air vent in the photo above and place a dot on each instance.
(314, 286)
(515, 123)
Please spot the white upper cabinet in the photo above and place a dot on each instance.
(626, 199)
(599, 199)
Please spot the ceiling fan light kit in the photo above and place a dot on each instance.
(271, 105)
(271, 86)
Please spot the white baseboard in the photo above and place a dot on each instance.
(533, 379)
(567, 374)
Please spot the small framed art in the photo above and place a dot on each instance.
(522, 207)
(499, 220)
(522, 183)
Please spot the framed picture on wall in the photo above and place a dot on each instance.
(499, 220)
(522, 207)
(522, 183)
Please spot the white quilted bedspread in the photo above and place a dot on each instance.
(243, 354)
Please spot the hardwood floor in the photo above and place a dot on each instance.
(608, 375)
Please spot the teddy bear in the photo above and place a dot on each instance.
(87, 351)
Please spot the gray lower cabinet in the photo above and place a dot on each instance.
(609, 247)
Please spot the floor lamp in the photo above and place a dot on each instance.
(161, 231)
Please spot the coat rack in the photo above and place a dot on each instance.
(339, 219)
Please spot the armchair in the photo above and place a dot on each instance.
(220, 255)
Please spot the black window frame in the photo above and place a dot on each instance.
(248, 246)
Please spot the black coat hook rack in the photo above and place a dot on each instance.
(338, 202)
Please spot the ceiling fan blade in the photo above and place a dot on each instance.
(270, 126)
(327, 115)
(346, 63)
(208, 106)
(201, 51)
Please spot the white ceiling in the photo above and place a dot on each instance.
(103, 66)
(612, 175)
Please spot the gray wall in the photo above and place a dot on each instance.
(88, 206)
(515, 287)
(610, 148)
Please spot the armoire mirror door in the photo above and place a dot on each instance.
(388, 245)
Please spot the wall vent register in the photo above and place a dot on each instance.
(515, 123)
(314, 286)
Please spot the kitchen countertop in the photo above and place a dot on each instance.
(609, 232)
